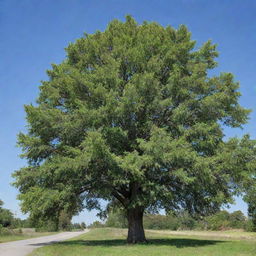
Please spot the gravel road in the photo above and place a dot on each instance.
(24, 247)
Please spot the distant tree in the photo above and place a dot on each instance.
(237, 219)
(157, 221)
(6, 216)
(96, 224)
(249, 189)
(186, 221)
(29, 223)
(16, 223)
(252, 214)
(76, 226)
(117, 218)
(218, 221)
(132, 116)
(64, 221)
(250, 198)
(83, 225)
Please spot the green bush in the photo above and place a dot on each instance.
(222, 220)
(186, 222)
(160, 222)
(116, 219)
(218, 221)
(249, 226)
(225, 220)
(6, 231)
(64, 222)
(237, 220)
(83, 225)
(76, 226)
(46, 226)
(96, 224)
(6, 217)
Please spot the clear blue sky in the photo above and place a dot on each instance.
(33, 34)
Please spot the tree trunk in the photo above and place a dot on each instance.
(135, 226)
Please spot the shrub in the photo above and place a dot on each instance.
(249, 226)
(160, 222)
(225, 220)
(6, 217)
(6, 231)
(185, 220)
(116, 219)
(76, 226)
(96, 224)
(83, 225)
(64, 221)
(218, 221)
(46, 226)
(237, 220)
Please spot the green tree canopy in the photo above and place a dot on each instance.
(83, 225)
(6, 216)
(131, 116)
(250, 198)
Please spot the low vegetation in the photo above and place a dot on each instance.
(221, 220)
(162, 243)
(12, 235)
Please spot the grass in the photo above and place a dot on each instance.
(111, 242)
(232, 234)
(14, 237)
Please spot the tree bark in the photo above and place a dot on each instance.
(136, 232)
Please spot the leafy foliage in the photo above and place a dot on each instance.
(116, 219)
(160, 222)
(64, 221)
(131, 116)
(250, 198)
(83, 225)
(6, 216)
(96, 224)
(249, 187)
(224, 220)
(221, 220)
(237, 219)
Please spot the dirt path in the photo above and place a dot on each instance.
(24, 247)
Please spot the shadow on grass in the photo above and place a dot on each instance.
(177, 242)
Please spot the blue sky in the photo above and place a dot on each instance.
(33, 34)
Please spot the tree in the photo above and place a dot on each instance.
(116, 219)
(250, 198)
(132, 117)
(64, 221)
(96, 224)
(6, 216)
(76, 226)
(218, 221)
(237, 219)
(249, 189)
(83, 225)
(252, 213)
(157, 221)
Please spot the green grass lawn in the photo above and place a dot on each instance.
(111, 242)
(14, 237)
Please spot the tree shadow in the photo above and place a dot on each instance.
(43, 244)
(177, 242)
